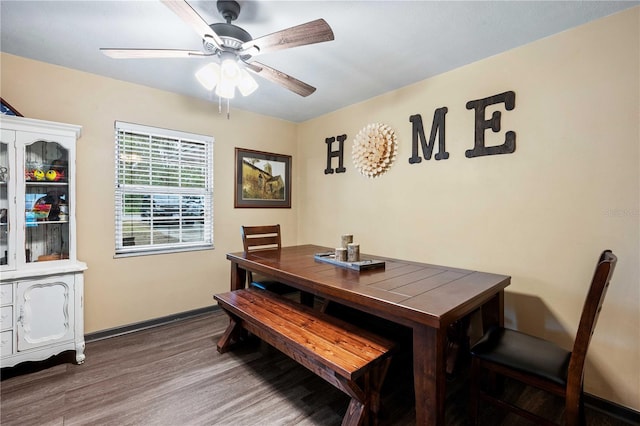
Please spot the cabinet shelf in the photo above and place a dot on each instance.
(45, 183)
(43, 222)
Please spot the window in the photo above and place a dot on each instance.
(164, 190)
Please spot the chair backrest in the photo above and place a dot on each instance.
(261, 237)
(592, 306)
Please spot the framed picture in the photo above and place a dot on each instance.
(7, 109)
(263, 179)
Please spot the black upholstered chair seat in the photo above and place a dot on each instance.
(524, 353)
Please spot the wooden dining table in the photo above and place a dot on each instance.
(426, 298)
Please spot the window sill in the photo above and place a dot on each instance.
(162, 251)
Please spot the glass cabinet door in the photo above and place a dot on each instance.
(46, 202)
(5, 242)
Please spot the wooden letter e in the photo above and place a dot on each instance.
(509, 145)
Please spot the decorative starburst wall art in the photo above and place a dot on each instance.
(374, 149)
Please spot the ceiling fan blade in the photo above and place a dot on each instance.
(195, 21)
(286, 81)
(151, 53)
(316, 31)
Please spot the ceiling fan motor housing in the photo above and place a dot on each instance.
(232, 36)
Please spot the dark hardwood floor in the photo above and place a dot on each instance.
(172, 375)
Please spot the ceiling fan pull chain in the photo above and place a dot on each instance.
(220, 107)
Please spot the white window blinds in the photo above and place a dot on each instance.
(163, 190)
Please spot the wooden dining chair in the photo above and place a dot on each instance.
(266, 237)
(541, 363)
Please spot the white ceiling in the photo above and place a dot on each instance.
(379, 46)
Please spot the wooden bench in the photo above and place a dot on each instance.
(353, 360)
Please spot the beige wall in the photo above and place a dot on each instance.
(542, 214)
(128, 290)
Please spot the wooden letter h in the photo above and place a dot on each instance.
(339, 153)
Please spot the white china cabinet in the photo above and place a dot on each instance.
(41, 279)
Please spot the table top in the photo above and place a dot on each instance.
(404, 291)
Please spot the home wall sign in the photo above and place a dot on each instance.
(419, 139)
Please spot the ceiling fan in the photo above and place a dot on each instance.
(235, 49)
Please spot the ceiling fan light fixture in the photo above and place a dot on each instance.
(209, 75)
(247, 84)
(226, 88)
(230, 69)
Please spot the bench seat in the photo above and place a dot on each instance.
(350, 358)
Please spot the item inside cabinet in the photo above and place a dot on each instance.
(46, 206)
(41, 211)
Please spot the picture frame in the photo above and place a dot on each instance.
(7, 109)
(263, 179)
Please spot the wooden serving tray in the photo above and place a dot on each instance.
(356, 266)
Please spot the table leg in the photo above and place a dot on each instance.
(493, 314)
(493, 311)
(238, 277)
(429, 374)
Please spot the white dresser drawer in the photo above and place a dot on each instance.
(6, 317)
(6, 294)
(6, 343)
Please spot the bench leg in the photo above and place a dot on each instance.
(229, 336)
(358, 409)
(355, 415)
(364, 406)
